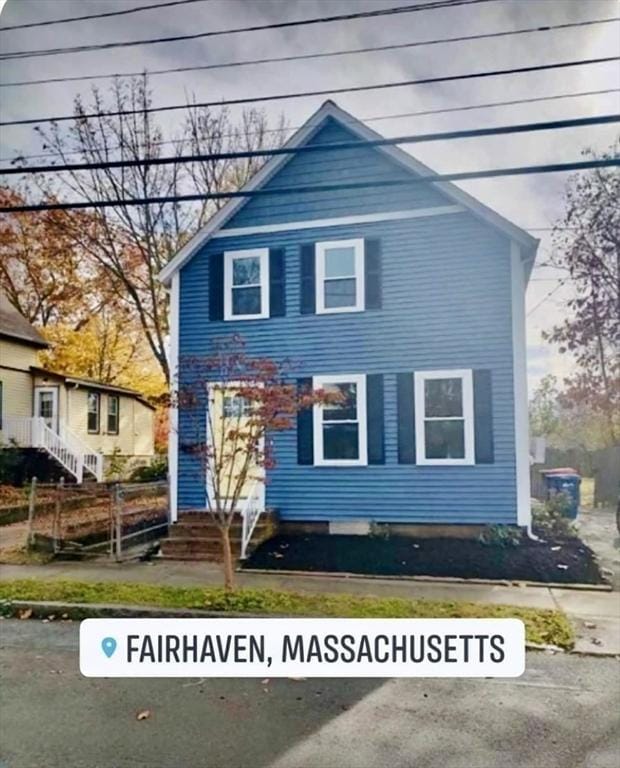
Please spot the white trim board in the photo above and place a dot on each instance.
(340, 221)
(173, 430)
(331, 110)
(519, 372)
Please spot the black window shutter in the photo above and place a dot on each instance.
(406, 418)
(372, 274)
(483, 416)
(277, 283)
(216, 286)
(308, 280)
(375, 419)
(305, 436)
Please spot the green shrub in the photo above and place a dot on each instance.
(156, 470)
(550, 519)
(10, 461)
(500, 536)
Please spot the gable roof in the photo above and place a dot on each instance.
(14, 325)
(80, 381)
(331, 110)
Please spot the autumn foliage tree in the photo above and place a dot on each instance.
(133, 243)
(230, 406)
(587, 248)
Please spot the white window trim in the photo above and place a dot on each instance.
(318, 382)
(229, 257)
(420, 377)
(320, 249)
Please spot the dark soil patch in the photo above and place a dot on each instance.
(566, 561)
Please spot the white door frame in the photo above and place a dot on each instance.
(39, 390)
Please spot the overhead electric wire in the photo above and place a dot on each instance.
(319, 55)
(347, 186)
(104, 15)
(547, 296)
(378, 12)
(464, 108)
(469, 133)
(322, 92)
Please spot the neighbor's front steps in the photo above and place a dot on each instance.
(195, 536)
(584, 607)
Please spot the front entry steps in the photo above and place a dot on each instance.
(196, 537)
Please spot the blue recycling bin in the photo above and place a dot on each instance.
(567, 483)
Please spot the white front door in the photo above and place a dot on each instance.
(46, 405)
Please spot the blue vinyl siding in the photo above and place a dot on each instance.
(446, 304)
(333, 167)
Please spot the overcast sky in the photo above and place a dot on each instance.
(530, 202)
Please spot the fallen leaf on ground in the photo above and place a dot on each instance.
(589, 625)
(562, 567)
(144, 714)
(555, 549)
(265, 681)
(25, 613)
(596, 641)
(297, 679)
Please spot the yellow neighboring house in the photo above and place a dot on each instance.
(81, 423)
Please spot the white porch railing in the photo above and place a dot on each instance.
(64, 446)
(92, 460)
(252, 509)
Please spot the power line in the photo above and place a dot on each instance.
(12, 55)
(547, 296)
(99, 15)
(401, 115)
(377, 183)
(319, 55)
(501, 130)
(324, 92)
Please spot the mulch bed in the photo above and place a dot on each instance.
(566, 561)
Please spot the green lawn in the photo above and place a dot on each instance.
(542, 626)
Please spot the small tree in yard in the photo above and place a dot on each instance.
(231, 404)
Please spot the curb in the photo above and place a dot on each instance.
(431, 579)
(80, 611)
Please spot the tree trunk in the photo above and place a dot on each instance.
(227, 559)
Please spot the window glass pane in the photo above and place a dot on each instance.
(246, 271)
(340, 293)
(112, 414)
(340, 262)
(340, 441)
(445, 439)
(46, 405)
(236, 406)
(246, 301)
(346, 409)
(443, 397)
(93, 412)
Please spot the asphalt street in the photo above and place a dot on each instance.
(564, 712)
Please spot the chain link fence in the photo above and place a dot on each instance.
(122, 520)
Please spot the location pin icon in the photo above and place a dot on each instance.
(108, 646)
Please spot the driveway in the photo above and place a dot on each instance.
(563, 712)
(597, 527)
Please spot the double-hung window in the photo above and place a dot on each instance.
(113, 414)
(340, 426)
(93, 410)
(444, 415)
(246, 284)
(340, 276)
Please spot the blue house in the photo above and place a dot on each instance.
(408, 299)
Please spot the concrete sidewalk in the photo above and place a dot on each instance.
(595, 614)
